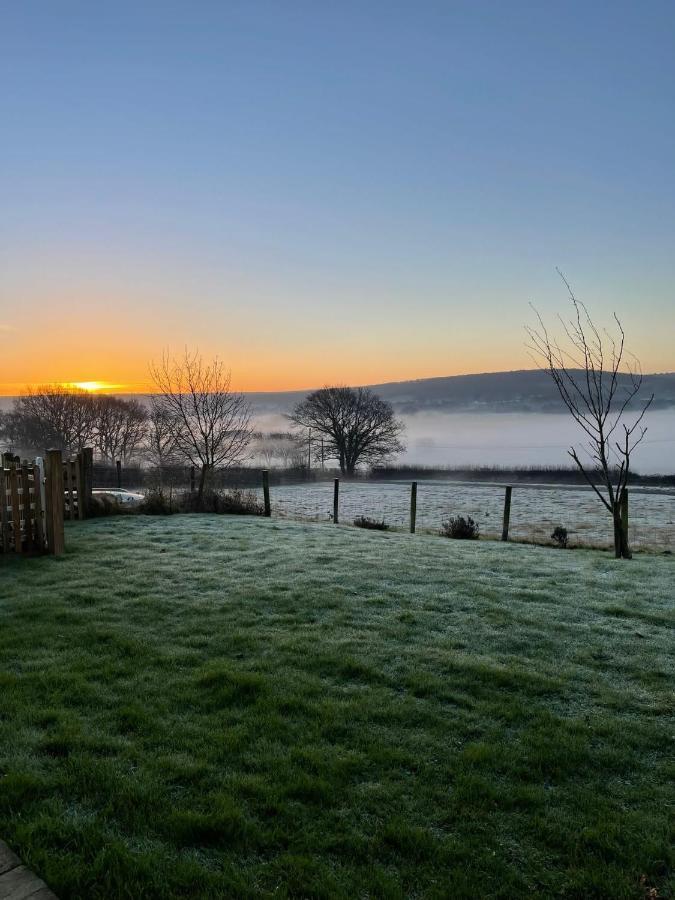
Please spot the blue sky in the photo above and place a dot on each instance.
(353, 192)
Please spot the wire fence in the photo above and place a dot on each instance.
(535, 509)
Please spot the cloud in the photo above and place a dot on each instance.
(4, 328)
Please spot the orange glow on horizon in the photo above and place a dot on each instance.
(94, 387)
(249, 382)
(100, 366)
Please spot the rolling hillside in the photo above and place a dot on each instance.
(523, 391)
(529, 390)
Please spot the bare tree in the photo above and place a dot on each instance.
(281, 448)
(53, 415)
(358, 426)
(212, 425)
(121, 426)
(14, 433)
(599, 382)
(160, 441)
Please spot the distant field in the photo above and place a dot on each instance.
(230, 707)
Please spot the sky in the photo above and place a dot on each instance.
(319, 192)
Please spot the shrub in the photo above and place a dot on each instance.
(559, 536)
(103, 505)
(461, 528)
(157, 503)
(240, 503)
(371, 524)
(235, 502)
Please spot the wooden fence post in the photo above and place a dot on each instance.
(27, 511)
(55, 507)
(413, 506)
(507, 513)
(266, 492)
(87, 479)
(78, 466)
(624, 513)
(336, 500)
(16, 510)
(40, 464)
(38, 497)
(192, 479)
(4, 520)
(118, 467)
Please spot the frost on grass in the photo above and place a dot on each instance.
(219, 706)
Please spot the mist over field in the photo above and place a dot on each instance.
(505, 418)
(510, 439)
(502, 418)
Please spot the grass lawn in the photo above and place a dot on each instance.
(225, 707)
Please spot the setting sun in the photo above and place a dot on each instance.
(93, 386)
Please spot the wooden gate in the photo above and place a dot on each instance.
(77, 483)
(32, 504)
(21, 518)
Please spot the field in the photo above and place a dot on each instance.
(535, 511)
(234, 707)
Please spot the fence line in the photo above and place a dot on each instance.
(530, 514)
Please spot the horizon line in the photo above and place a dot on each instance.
(121, 388)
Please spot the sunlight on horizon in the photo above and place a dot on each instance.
(92, 387)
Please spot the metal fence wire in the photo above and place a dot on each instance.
(536, 510)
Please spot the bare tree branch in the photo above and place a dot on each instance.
(590, 371)
(211, 423)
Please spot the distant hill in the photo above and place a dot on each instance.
(529, 390)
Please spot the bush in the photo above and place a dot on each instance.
(235, 502)
(371, 524)
(559, 536)
(157, 503)
(461, 528)
(240, 503)
(103, 505)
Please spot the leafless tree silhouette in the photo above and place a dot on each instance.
(359, 427)
(211, 423)
(599, 382)
(160, 441)
(52, 415)
(120, 427)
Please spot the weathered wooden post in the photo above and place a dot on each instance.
(507, 513)
(87, 480)
(38, 499)
(4, 520)
(413, 506)
(624, 515)
(40, 482)
(55, 506)
(266, 492)
(70, 483)
(16, 509)
(192, 479)
(336, 500)
(26, 504)
(118, 466)
(78, 474)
